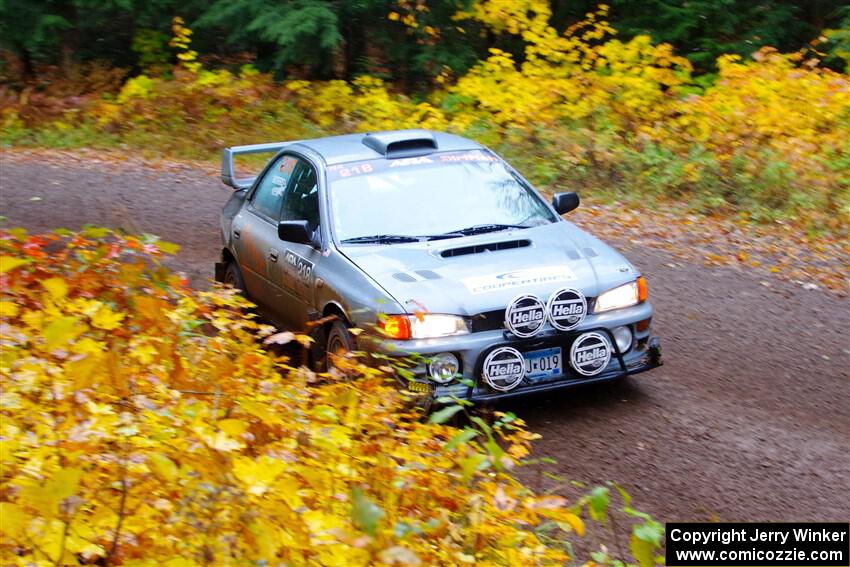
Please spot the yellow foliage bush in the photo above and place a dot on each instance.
(365, 104)
(142, 423)
(773, 110)
(770, 136)
(569, 77)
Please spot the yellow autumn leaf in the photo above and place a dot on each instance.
(7, 449)
(572, 521)
(319, 521)
(14, 521)
(340, 436)
(9, 263)
(220, 441)
(56, 287)
(106, 319)
(287, 487)
(60, 331)
(163, 467)
(50, 540)
(168, 247)
(233, 427)
(47, 497)
(342, 556)
(8, 308)
(87, 307)
(85, 371)
(33, 319)
(144, 353)
(257, 475)
(63, 483)
(261, 411)
(177, 562)
(87, 345)
(264, 536)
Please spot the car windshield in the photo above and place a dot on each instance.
(438, 194)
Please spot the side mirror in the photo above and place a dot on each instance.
(565, 202)
(297, 231)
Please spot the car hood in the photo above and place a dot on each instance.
(476, 274)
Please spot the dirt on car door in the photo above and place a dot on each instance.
(255, 236)
(291, 269)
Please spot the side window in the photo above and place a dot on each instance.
(301, 201)
(268, 197)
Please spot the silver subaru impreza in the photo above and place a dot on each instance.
(433, 246)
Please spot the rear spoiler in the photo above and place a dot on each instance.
(228, 174)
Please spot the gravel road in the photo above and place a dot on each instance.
(749, 419)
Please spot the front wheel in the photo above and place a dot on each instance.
(339, 342)
(233, 277)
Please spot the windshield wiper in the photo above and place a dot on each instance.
(479, 229)
(381, 239)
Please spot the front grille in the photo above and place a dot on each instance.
(489, 321)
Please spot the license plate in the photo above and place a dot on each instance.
(543, 363)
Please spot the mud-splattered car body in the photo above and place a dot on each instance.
(436, 247)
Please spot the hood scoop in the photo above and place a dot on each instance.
(486, 247)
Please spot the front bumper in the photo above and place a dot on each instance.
(473, 348)
(644, 357)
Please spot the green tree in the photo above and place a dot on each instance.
(704, 29)
(65, 31)
(838, 42)
(31, 30)
(303, 33)
(344, 38)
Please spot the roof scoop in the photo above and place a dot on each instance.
(401, 143)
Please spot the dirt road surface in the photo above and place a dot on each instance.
(749, 418)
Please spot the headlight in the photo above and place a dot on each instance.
(626, 295)
(427, 326)
(421, 326)
(443, 367)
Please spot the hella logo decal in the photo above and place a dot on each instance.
(525, 316)
(566, 308)
(504, 369)
(590, 354)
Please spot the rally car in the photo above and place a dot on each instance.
(432, 245)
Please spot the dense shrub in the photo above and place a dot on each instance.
(143, 423)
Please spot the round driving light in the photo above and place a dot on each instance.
(623, 336)
(443, 367)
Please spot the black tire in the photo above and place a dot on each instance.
(233, 277)
(339, 341)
